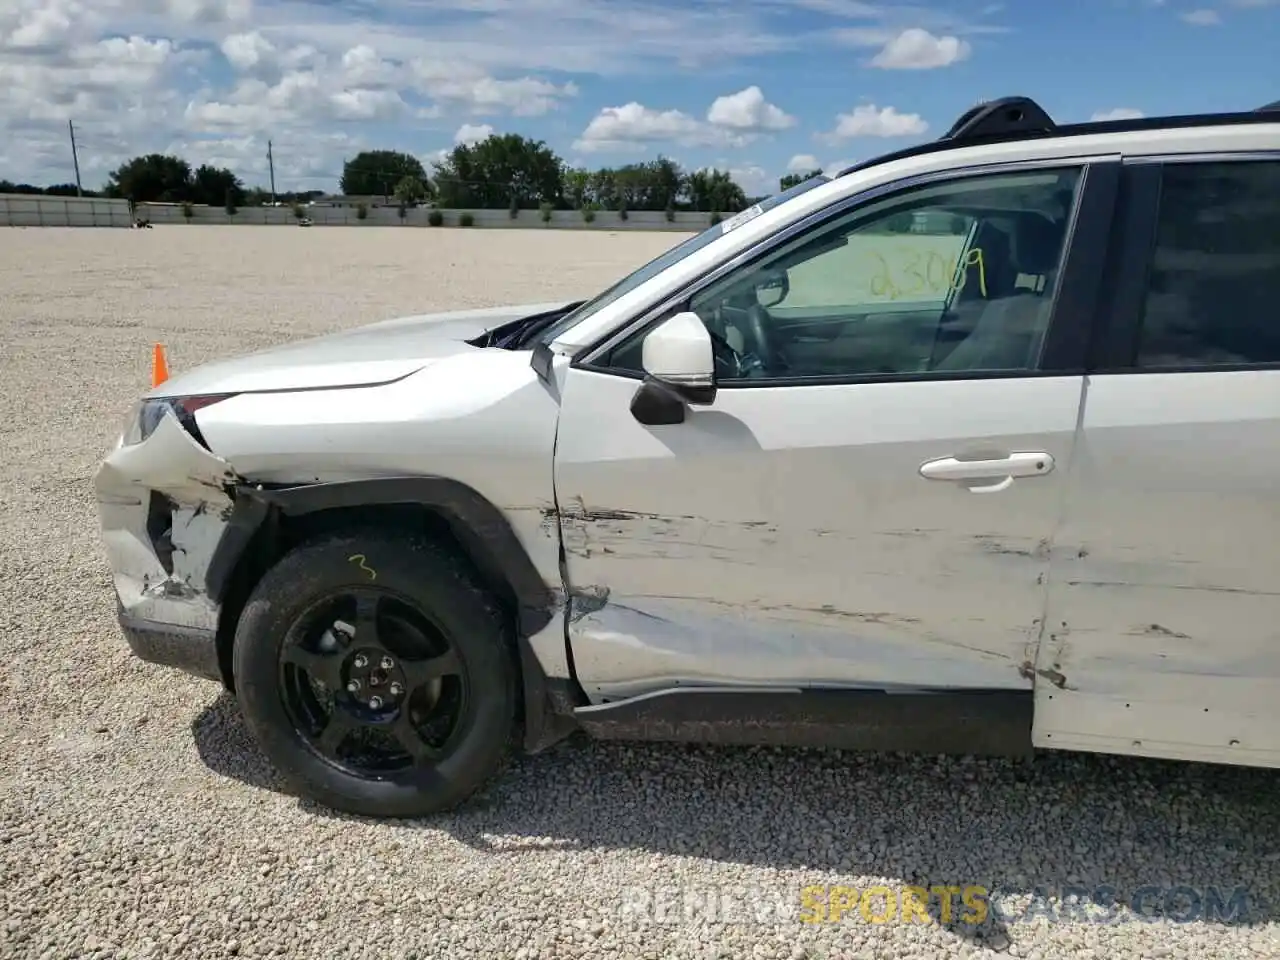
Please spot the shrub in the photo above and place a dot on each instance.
(362, 211)
(715, 218)
(513, 211)
(230, 204)
(298, 211)
(466, 220)
(188, 211)
(588, 215)
(544, 209)
(622, 212)
(435, 218)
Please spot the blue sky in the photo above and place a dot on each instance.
(758, 87)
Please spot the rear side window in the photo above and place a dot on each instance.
(1213, 296)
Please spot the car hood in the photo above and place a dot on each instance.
(363, 356)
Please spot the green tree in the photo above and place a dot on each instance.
(154, 178)
(578, 188)
(795, 179)
(498, 171)
(647, 186)
(714, 190)
(410, 191)
(377, 172)
(67, 190)
(212, 185)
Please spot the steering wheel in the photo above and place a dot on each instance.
(758, 323)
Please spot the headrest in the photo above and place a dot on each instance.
(1037, 244)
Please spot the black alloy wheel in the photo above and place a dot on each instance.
(377, 674)
(372, 683)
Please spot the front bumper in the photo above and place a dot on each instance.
(164, 506)
(192, 650)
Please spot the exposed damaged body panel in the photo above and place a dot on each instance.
(788, 538)
(164, 503)
(1164, 617)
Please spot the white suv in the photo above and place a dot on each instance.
(973, 447)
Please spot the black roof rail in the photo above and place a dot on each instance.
(1021, 118)
(1008, 115)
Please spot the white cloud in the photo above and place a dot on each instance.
(917, 49)
(802, 163)
(471, 90)
(753, 180)
(1118, 113)
(733, 120)
(619, 128)
(470, 133)
(367, 104)
(748, 110)
(868, 120)
(246, 51)
(1202, 18)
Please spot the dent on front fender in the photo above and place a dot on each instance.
(160, 573)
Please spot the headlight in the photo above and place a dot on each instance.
(147, 414)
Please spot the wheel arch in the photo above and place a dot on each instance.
(266, 522)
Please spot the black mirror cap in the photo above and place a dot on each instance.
(659, 404)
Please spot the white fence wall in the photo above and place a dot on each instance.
(24, 210)
(389, 217)
(27, 210)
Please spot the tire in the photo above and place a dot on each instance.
(411, 585)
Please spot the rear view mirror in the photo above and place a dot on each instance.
(773, 288)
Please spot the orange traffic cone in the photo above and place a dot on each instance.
(159, 366)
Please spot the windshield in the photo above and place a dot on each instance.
(675, 255)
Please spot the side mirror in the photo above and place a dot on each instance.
(680, 365)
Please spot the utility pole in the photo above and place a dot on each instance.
(75, 159)
(271, 163)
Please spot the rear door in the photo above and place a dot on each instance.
(1163, 635)
(791, 534)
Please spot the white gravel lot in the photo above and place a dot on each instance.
(137, 819)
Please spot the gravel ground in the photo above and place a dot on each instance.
(137, 818)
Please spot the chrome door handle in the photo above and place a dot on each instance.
(1002, 471)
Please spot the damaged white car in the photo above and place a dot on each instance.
(967, 448)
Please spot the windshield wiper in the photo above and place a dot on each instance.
(515, 334)
(532, 327)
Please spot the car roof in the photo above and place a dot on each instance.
(1008, 130)
(1021, 119)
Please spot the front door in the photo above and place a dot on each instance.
(871, 499)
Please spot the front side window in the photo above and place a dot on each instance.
(1213, 290)
(956, 276)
